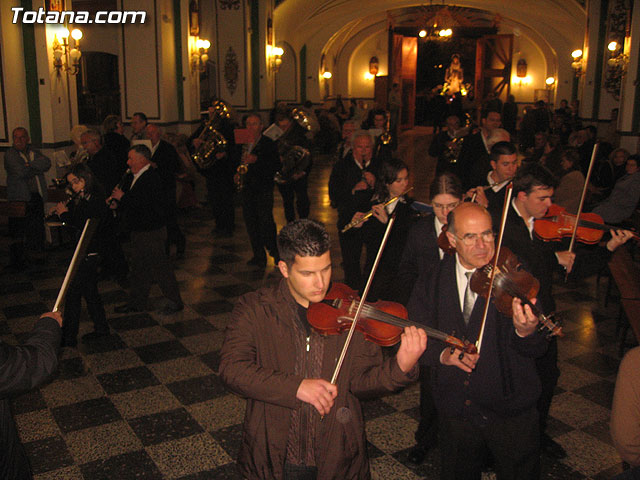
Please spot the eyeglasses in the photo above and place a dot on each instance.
(470, 239)
(445, 206)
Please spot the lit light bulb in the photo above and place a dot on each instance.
(76, 34)
(64, 32)
(550, 81)
(576, 53)
(206, 44)
(277, 51)
(422, 33)
(327, 75)
(613, 46)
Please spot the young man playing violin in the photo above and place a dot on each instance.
(533, 187)
(297, 424)
(486, 401)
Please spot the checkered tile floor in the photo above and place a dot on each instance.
(146, 402)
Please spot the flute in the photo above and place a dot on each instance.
(358, 221)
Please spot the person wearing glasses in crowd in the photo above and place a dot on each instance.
(420, 256)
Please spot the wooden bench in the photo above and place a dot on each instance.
(626, 274)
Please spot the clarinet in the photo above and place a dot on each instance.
(113, 202)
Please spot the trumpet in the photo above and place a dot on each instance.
(357, 222)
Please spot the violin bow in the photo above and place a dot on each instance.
(494, 269)
(363, 299)
(584, 193)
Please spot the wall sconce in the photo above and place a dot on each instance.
(374, 65)
(550, 81)
(275, 57)
(521, 81)
(199, 55)
(617, 68)
(577, 62)
(327, 75)
(618, 58)
(71, 62)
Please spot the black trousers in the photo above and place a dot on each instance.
(220, 191)
(257, 210)
(427, 432)
(351, 243)
(150, 263)
(27, 232)
(514, 443)
(297, 190)
(84, 284)
(548, 371)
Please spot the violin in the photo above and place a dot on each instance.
(511, 280)
(558, 223)
(381, 322)
(444, 243)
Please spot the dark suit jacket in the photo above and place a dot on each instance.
(537, 257)
(167, 162)
(143, 205)
(106, 167)
(473, 163)
(505, 381)
(23, 368)
(344, 176)
(259, 177)
(420, 255)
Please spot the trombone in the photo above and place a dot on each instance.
(357, 222)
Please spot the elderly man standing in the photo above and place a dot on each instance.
(104, 165)
(25, 168)
(142, 203)
(350, 190)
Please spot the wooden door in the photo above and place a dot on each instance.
(494, 54)
(402, 70)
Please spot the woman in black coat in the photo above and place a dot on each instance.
(88, 201)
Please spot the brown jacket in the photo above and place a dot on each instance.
(258, 361)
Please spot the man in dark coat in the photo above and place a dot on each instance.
(473, 163)
(298, 424)
(143, 205)
(104, 165)
(167, 162)
(24, 368)
(486, 401)
(350, 189)
(260, 158)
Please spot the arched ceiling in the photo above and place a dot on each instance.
(318, 22)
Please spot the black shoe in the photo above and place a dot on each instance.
(126, 308)
(551, 448)
(171, 309)
(91, 336)
(258, 262)
(417, 454)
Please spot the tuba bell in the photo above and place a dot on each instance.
(213, 141)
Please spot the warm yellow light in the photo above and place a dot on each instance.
(277, 51)
(445, 32)
(422, 33)
(368, 76)
(327, 75)
(76, 34)
(550, 81)
(199, 43)
(613, 46)
(63, 33)
(576, 53)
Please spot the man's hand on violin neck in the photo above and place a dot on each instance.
(524, 321)
(457, 358)
(413, 343)
(317, 392)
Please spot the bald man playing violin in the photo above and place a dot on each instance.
(297, 424)
(485, 401)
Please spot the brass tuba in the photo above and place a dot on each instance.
(294, 158)
(213, 141)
